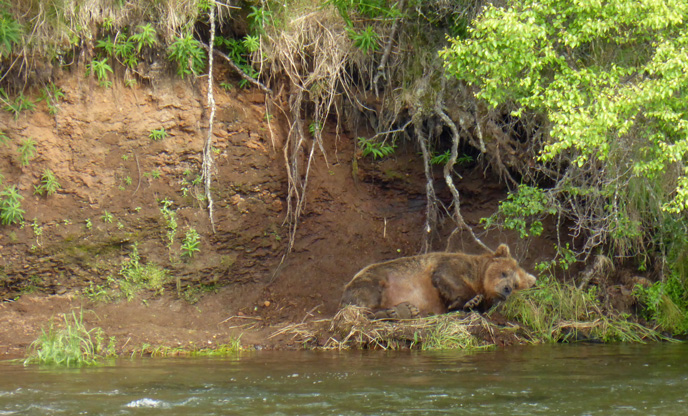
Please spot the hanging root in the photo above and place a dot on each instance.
(431, 207)
(311, 53)
(207, 148)
(448, 169)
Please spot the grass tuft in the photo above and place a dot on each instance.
(72, 345)
(558, 312)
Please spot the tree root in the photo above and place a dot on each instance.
(431, 197)
(207, 148)
(448, 169)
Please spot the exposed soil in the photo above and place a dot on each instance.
(99, 148)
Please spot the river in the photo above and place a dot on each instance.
(547, 379)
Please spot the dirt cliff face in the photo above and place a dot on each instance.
(114, 178)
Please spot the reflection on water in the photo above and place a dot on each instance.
(555, 380)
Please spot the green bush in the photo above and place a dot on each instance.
(49, 184)
(10, 206)
(553, 311)
(188, 54)
(377, 149)
(138, 276)
(666, 303)
(522, 211)
(10, 32)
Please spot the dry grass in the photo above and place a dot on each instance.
(351, 328)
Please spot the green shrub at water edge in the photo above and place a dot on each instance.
(666, 304)
(72, 345)
(558, 312)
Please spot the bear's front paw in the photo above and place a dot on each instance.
(473, 303)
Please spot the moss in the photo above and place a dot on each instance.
(227, 261)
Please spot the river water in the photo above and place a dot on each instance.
(552, 380)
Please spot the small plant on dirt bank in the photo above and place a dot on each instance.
(19, 105)
(71, 345)
(193, 293)
(377, 149)
(171, 220)
(49, 184)
(145, 37)
(4, 139)
(443, 158)
(158, 134)
(27, 151)
(52, 94)
(10, 206)
(100, 68)
(366, 40)
(10, 33)
(107, 217)
(138, 276)
(190, 243)
(189, 55)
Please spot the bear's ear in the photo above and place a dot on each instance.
(502, 251)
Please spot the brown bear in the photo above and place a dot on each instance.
(436, 283)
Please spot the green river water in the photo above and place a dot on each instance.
(553, 380)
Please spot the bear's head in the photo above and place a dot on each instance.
(503, 276)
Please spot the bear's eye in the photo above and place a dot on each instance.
(504, 275)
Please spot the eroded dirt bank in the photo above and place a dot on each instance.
(114, 177)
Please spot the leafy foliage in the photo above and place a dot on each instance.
(49, 184)
(189, 55)
(19, 105)
(377, 149)
(666, 303)
(145, 37)
(52, 95)
(100, 68)
(611, 78)
(521, 208)
(258, 18)
(10, 206)
(27, 151)
(10, 33)
(158, 134)
(190, 243)
(366, 40)
(139, 276)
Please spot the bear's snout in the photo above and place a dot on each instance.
(506, 291)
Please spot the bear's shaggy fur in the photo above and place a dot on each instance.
(436, 283)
